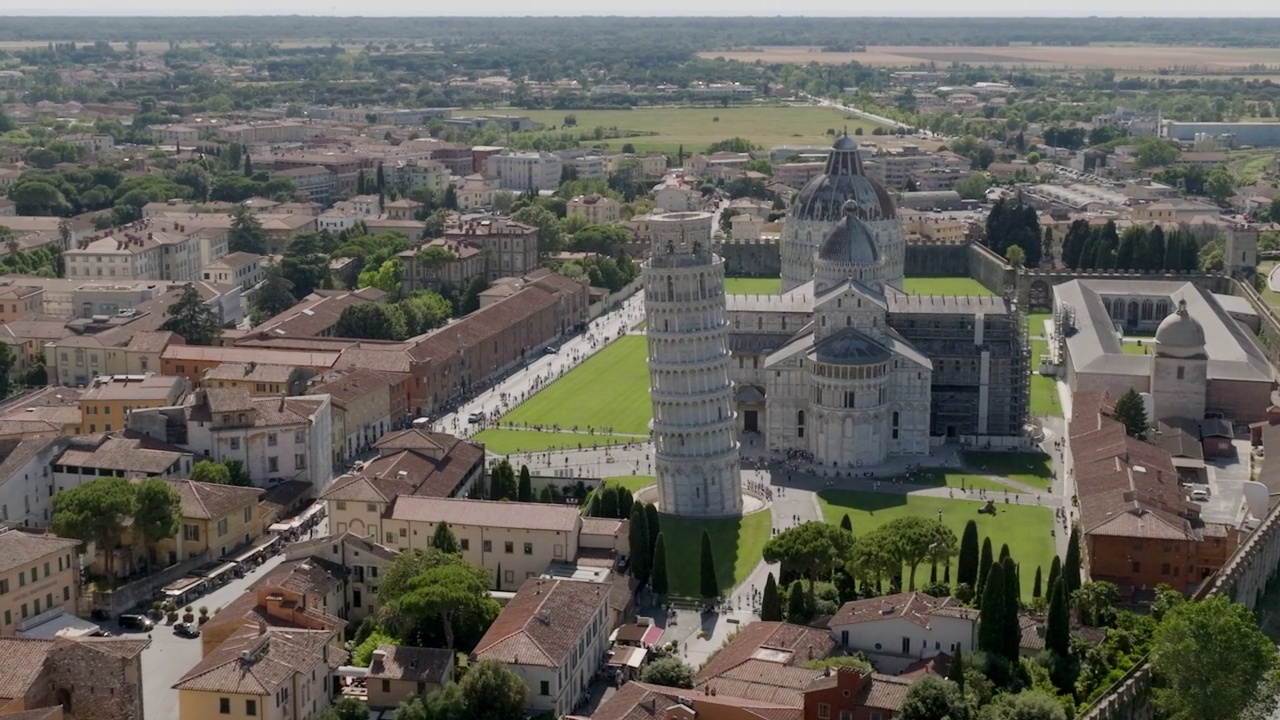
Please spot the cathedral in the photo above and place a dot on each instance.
(850, 370)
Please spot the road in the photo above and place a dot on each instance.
(862, 113)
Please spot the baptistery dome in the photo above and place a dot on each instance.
(823, 197)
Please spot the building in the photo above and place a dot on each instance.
(397, 672)
(238, 268)
(106, 404)
(554, 634)
(895, 631)
(301, 594)
(214, 520)
(852, 694)
(98, 678)
(24, 471)
(511, 248)
(361, 406)
(117, 454)
(637, 700)
(18, 302)
(193, 361)
(694, 425)
(1137, 526)
(765, 661)
(1204, 361)
(313, 182)
(267, 673)
(364, 561)
(597, 209)
(524, 172)
(1233, 134)
(39, 579)
(145, 250)
(258, 379)
(317, 314)
(441, 262)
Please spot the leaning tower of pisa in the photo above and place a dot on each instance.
(694, 430)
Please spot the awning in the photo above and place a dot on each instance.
(64, 625)
(351, 671)
(279, 527)
(312, 511)
(178, 587)
(221, 570)
(625, 656)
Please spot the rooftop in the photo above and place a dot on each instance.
(485, 513)
(254, 662)
(541, 625)
(212, 501)
(18, 548)
(415, 664)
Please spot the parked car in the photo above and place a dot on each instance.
(475, 417)
(135, 623)
(188, 630)
(551, 350)
(1200, 495)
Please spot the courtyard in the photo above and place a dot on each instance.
(752, 286)
(950, 286)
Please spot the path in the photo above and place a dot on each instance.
(1273, 279)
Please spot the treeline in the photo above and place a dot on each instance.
(1101, 247)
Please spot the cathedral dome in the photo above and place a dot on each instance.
(823, 197)
(851, 242)
(1179, 333)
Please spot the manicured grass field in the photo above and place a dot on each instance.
(1044, 396)
(954, 286)
(943, 477)
(752, 286)
(506, 442)
(610, 390)
(1035, 324)
(631, 482)
(1133, 348)
(1024, 528)
(1039, 349)
(697, 127)
(736, 543)
(1034, 469)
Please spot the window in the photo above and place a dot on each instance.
(824, 711)
(508, 547)
(46, 569)
(1137, 567)
(404, 532)
(300, 461)
(488, 546)
(66, 592)
(528, 548)
(22, 578)
(272, 439)
(235, 443)
(191, 533)
(1164, 569)
(37, 606)
(224, 706)
(544, 688)
(371, 507)
(248, 514)
(24, 611)
(298, 437)
(273, 464)
(222, 527)
(342, 505)
(356, 598)
(8, 619)
(250, 707)
(4, 587)
(465, 544)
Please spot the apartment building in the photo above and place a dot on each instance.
(894, 167)
(511, 247)
(106, 404)
(452, 262)
(139, 251)
(257, 379)
(588, 166)
(213, 227)
(675, 196)
(20, 301)
(92, 143)
(117, 454)
(238, 268)
(796, 174)
(25, 471)
(175, 135)
(397, 672)
(213, 518)
(264, 673)
(554, 634)
(404, 208)
(266, 133)
(406, 175)
(193, 361)
(39, 579)
(361, 407)
(526, 171)
(344, 167)
(597, 209)
(474, 192)
(364, 560)
(315, 183)
(303, 594)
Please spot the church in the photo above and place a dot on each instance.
(848, 368)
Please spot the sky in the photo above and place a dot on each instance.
(651, 8)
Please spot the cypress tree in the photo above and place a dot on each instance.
(984, 569)
(248, 165)
(545, 495)
(797, 603)
(625, 501)
(1071, 567)
(771, 602)
(1057, 634)
(525, 491)
(1012, 634)
(360, 182)
(444, 540)
(658, 573)
(1055, 572)
(594, 506)
(846, 524)
(1004, 552)
(708, 584)
(638, 535)
(946, 574)
(1035, 586)
(653, 523)
(967, 568)
(380, 180)
(955, 673)
(933, 574)
(991, 624)
(609, 502)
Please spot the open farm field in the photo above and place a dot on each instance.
(697, 127)
(1129, 57)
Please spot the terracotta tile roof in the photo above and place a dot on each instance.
(789, 645)
(122, 648)
(228, 400)
(764, 680)
(210, 501)
(365, 545)
(640, 701)
(542, 623)
(282, 496)
(415, 664)
(428, 464)
(353, 385)
(250, 372)
(602, 526)
(312, 576)
(123, 452)
(197, 353)
(388, 359)
(485, 513)
(274, 658)
(17, 452)
(936, 666)
(482, 324)
(152, 341)
(22, 660)
(53, 712)
(915, 607)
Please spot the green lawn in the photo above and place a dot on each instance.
(506, 442)
(1034, 469)
(954, 286)
(944, 477)
(666, 129)
(737, 544)
(1045, 401)
(1268, 296)
(1039, 348)
(1133, 348)
(1035, 323)
(752, 286)
(631, 482)
(1024, 528)
(610, 390)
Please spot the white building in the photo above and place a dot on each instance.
(239, 268)
(694, 427)
(676, 197)
(145, 250)
(25, 479)
(335, 220)
(522, 172)
(597, 209)
(895, 631)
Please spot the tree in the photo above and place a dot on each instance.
(1012, 634)
(1071, 567)
(192, 319)
(442, 591)
(1016, 256)
(1055, 572)
(209, 471)
(812, 548)
(1212, 662)
(156, 513)
(1030, 704)
(984, 567)
(524, 492)
(846, 524)
(471, 297)
(1166, 599)
(1035, 586)
(95, 512)
(1096, 602)
(708, 583)
(502, 482)
(362, 655)
(1130, 411)
(916, 539)
(973, 187)
(654, 523)
(386, 276)
(955, 673)
(669, 672)
(246, 233)
(658, 581)
(638, 536)
(771, 601)
(991, 622)
(446, 703)
(932, 698)
(1057, 636)
(275, 294)
(608, 501)
(346, 708)
(494, 692)
(248, 166)
(444, 540)
(239, 476)
(550, 234)
(798, 609)
(967, 564)
(370, 321)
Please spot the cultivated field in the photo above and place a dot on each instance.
(697, 127)
(1119, 57)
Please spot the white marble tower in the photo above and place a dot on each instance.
(695, 444)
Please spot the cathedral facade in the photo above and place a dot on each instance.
(845, 366)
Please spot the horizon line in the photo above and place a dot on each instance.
(43, 13)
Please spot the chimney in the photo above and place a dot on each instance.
(282, 403)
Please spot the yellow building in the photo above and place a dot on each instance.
(396, 672)
(38, 578)
(106, 405)
(256, 378)
(597, 209)
(263, 673)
